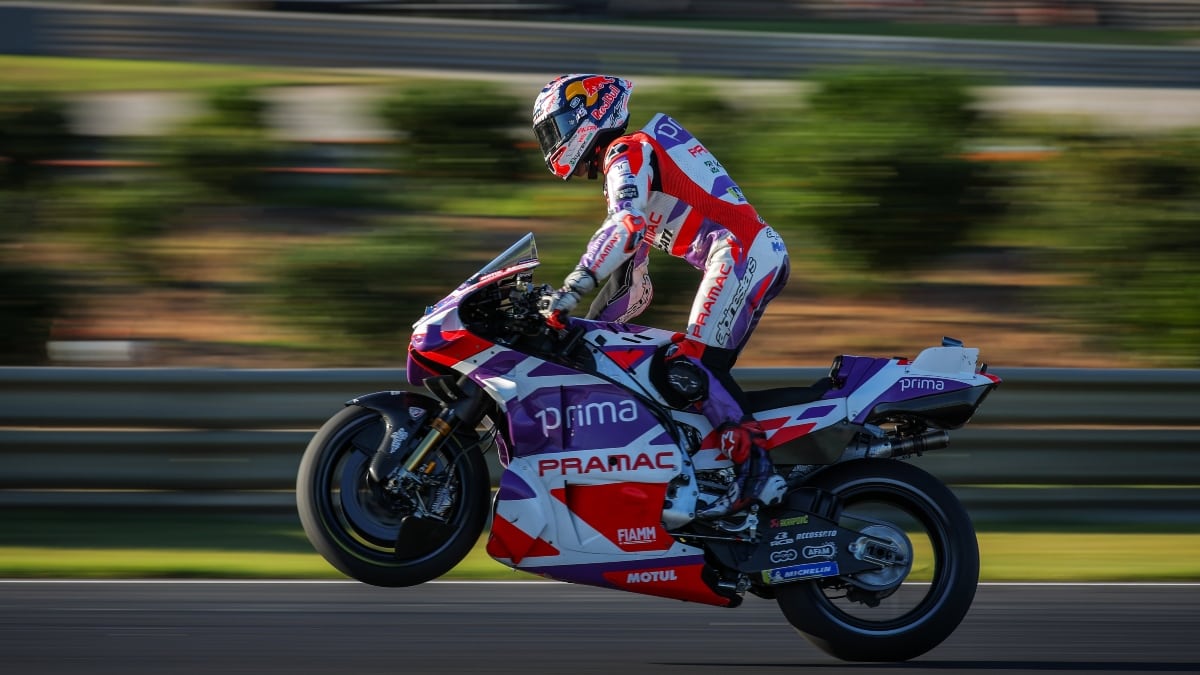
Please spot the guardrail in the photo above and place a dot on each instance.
(355, 41)
(1059, 445)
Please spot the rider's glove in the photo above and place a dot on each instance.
(738, 439)
(557, 305)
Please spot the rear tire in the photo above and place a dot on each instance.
(889, 630)
(353, 524)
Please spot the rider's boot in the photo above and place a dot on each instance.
(755, 480)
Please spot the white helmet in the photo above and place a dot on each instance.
(575, 114)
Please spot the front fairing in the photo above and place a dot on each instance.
(520, 257)
(440, 328)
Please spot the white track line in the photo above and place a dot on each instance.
(484, 582)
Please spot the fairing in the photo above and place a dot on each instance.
(600, 470)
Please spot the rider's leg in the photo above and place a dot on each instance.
(738, 283)
(739, 434)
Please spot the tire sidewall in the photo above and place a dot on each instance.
(377, 568)
(807, 609)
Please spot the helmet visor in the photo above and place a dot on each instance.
(554, 128)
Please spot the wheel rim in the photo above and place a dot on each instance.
(362, 518)
(904, 600)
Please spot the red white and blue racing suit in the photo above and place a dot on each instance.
(666, 190)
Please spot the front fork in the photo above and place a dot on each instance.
(438, 430)
(410, 439)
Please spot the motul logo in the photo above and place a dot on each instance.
(653, 575)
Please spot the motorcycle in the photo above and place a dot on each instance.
(869, 558)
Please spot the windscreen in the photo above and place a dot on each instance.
(524, 251)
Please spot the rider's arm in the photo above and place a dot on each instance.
(627, 176)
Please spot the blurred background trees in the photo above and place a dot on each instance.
(226, 148)
(457, 131)
(873, 176)
(883, 155)
(1123, 214)
(33, 128)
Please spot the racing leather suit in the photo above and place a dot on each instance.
(666, 190)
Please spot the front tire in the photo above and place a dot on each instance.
(887, 616)
(354, 524)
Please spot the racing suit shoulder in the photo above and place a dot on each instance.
(627, 177)
(688, 171)
(630, 173)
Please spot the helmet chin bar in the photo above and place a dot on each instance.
(602, 142)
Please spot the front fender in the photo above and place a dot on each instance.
(404, 413)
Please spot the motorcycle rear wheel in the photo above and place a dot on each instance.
(831, 614)
(354, 525)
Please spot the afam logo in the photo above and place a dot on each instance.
(826, 550)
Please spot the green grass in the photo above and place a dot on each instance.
(150, 563)
(60, 543)
(1073, 556)
(77, 75)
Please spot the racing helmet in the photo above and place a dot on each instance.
(575, 114)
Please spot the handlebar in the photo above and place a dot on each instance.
(573, 337)
(525, 316)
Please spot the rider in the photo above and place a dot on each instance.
(665, 190)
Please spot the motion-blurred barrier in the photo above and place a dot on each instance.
(355, 41)
(1050, 445)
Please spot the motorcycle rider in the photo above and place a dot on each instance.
(665, 190)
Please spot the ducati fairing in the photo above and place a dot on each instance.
(603, 476)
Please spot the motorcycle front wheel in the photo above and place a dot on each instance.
(354, 523)
(903, 610)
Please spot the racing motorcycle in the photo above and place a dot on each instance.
(604, 470)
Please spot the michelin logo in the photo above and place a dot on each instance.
(782, 575)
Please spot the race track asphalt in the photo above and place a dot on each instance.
(177, 627)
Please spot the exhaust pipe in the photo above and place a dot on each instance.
(882, 448)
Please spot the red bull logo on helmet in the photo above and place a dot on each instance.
(588, 88)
